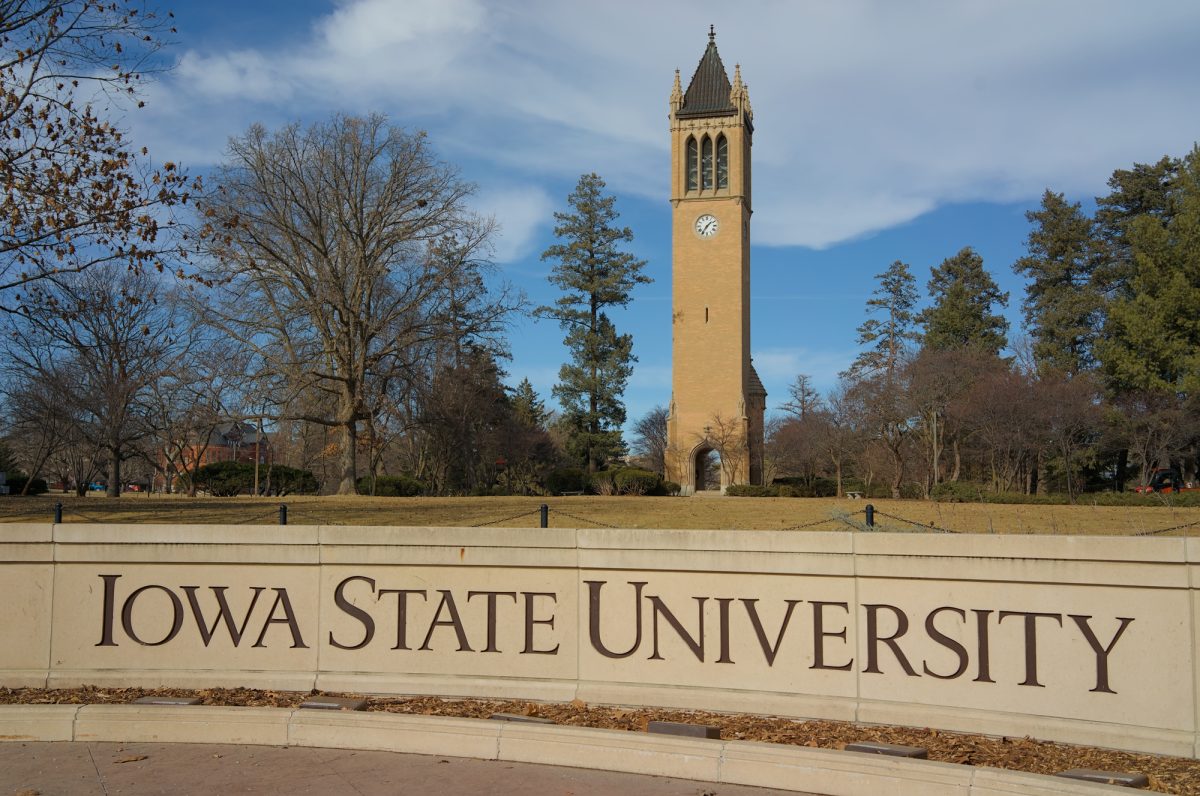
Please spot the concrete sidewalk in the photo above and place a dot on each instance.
(141, 769)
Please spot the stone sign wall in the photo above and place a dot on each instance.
(1089, 640)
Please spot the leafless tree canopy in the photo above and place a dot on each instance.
(346, 257)
(650, 439)
(110, 338)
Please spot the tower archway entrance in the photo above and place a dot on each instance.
(707, 470)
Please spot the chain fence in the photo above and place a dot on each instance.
(585, 519)
(843, 518)
(505, 519)
(1157, 531)
(925, 525)
(866, 519)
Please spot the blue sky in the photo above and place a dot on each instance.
(883, 130)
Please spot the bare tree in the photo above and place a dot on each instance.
(104, 339)
(793, 446)
(888, 417)
(77, 460)
(1071, 409)
(650, 439)
(838, 435)
(727, 437)
(1155, 428)
(203, 389)
(1003, 416)
(76, 195)
(342, 249)
(804, 398)
(38, 420)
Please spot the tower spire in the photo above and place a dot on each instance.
(676, 94)
(708, 92)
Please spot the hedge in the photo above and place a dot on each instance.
(391, 486)
(226, 479)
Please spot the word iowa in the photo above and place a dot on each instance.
(153, 597)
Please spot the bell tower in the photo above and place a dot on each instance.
(717, 400)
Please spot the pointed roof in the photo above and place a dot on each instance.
(756, 385)
(708, 93)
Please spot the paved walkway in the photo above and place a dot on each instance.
(142, 769)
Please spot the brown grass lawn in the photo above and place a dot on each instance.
(725, 513)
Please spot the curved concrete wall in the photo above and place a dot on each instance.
(1078, 639)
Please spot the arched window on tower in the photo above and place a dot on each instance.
(693, 164)
(706, 164)
(722, 162)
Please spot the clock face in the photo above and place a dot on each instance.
(706, 226)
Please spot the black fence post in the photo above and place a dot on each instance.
(57, 513)
(870, 512)
(283, 514)
(544, 511)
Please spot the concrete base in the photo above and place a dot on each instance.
(785, 768)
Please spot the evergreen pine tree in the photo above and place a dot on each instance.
(875, 379)
(1061, 303)
(527, 407)
(594, 274)
(1151, 338)
(962, 316)
(887, 336)
(1144, 191)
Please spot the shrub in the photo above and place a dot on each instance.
(796, 487)
(391, 486)
(565, 479)
(824, 487)
(16, 482)
(965, 492)
(285, 480)
(226, 479)
(635, 481)
(602, 483)
(955, 492)
(752, 490)
(669, 488)
(8, 463)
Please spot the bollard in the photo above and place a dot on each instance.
(870, 512)
(283, 514)
(57, 513)
(544, 511)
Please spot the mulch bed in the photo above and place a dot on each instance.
(1167, 774)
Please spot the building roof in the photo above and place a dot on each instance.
(240, 433)
(708, 93)
(756, 385)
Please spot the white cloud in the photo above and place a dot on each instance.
(368, 27)
(240, 74)
(521, 212)
(778, 368)
(651, 377)
(869, 113)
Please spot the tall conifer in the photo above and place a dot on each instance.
(1061, 303)
(594, 275)
(964, 295)
(889, 335)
